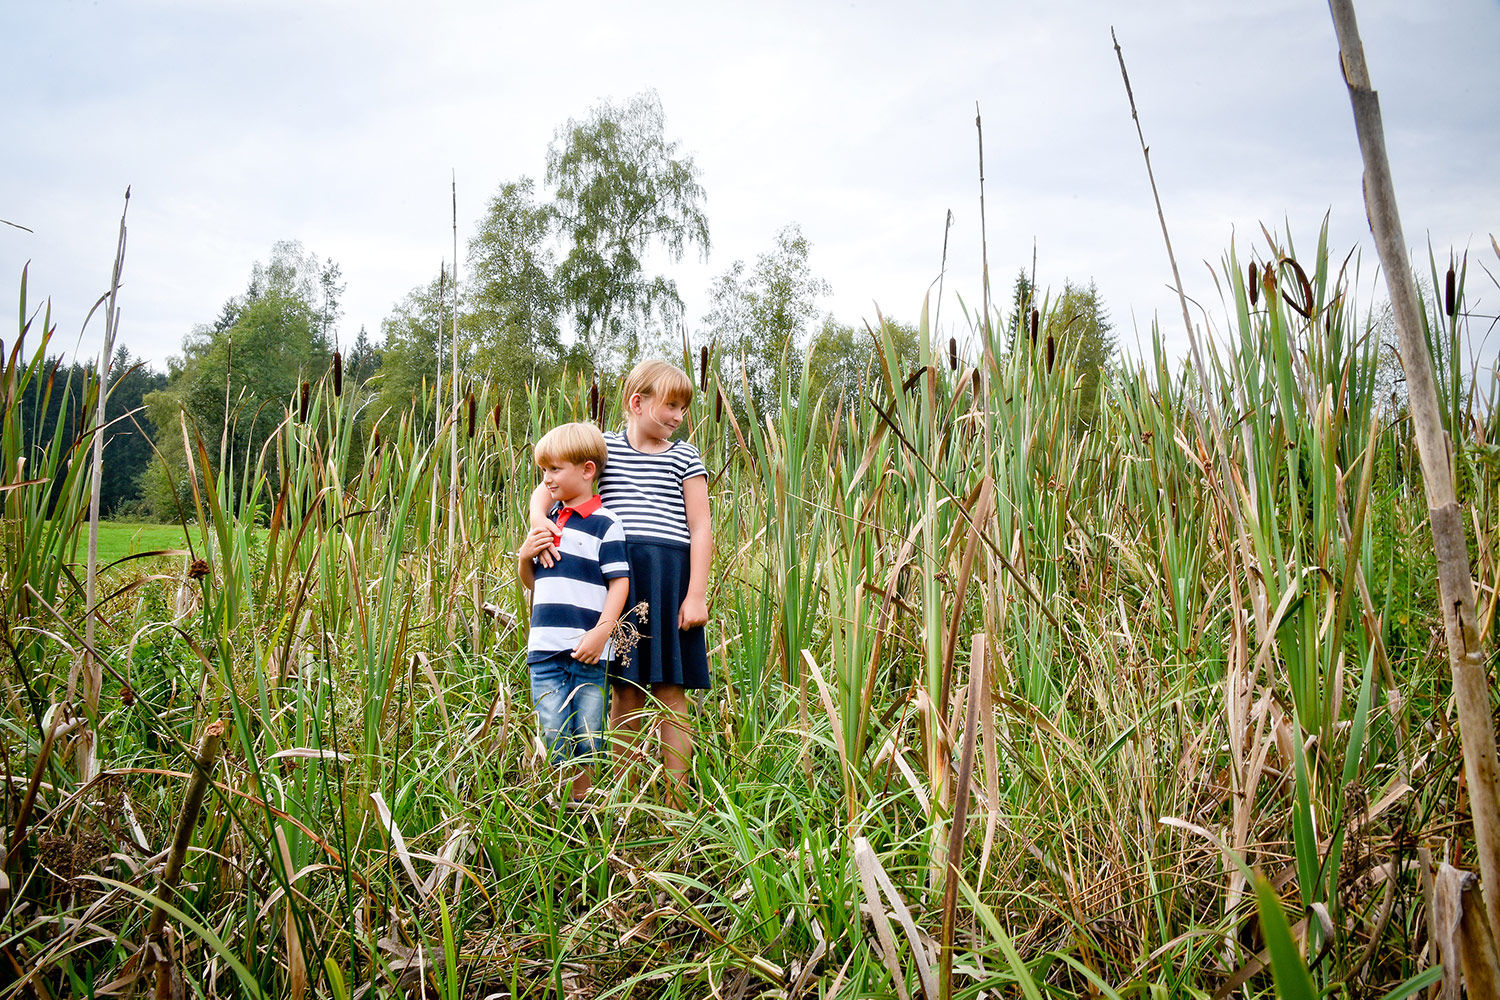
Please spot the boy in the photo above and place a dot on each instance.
(576, 602)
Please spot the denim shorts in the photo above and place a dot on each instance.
(569, 700)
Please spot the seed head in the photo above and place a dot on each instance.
(495, 416)
(594, 401)
(703, 369)
(338, 374)
(1036, 322)
(198, 570)
(127, 695)
(953, 354)
(1450, 293)
(1254, 284)
(1051, 351)
(306, 398)
(470, 401)
(718, 405)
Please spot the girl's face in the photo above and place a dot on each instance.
(656, 420)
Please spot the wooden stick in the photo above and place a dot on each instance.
(1466, 652)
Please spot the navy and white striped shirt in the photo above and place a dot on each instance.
(645, 490)
(569, 595)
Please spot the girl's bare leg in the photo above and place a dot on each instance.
(627, 713)
(676, 739)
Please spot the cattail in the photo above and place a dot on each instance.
(953, 354)
(718, 405)
(1450, 293)
(703, 368)
(472, 408)
(306, 399)
(1036, 322)
(375, 441)
(1051, 351)
(495, 416)
(338, 374)
(1254, 284)
(594, 414)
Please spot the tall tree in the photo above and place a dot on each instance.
(622, 189)
(514, 300)
(279, 335)
(415, 332)
(759, 319)
(845, 363)
(1079, 328)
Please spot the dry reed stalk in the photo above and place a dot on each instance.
(1466, 647)
(960, 823)
(93, 676)
(182, 837)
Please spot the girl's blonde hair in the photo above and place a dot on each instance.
(657, 380)
(574, 444)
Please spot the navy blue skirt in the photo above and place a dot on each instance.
(665, 654)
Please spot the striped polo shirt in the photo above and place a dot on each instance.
(645, 490)
(569, 595)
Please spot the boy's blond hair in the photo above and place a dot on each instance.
(657, 380)
(573, 443)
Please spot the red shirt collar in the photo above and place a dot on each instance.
(565, 511)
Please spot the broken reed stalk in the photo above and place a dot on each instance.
(187, 820)
(977, 676)
(93, 673)
(1466, 648)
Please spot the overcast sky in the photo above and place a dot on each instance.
(340, 125)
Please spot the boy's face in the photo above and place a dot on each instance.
(568, 482)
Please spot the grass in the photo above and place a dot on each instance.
(118, 539)
(1006, 700)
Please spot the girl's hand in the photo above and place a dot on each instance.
(538, 545)
(547, 554)
(694, 612)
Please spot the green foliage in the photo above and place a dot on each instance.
(514, 301)
(621, 190)
(846, 363)
(234, 378)
(758, 321)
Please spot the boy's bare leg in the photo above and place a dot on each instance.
(676, 740)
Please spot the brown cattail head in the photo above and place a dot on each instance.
(594, 401)
(472, 411)
(718, 405)
(1254, 284)
(306, 399)
(495, 416)
(375, 441)
(1036, 322)
(703, 368)
(338, 373)
(198, 570)
(1450, 293)
(1051, 351)
(953, 354)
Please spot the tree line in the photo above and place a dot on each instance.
(559, 277)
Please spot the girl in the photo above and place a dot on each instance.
(659, 489)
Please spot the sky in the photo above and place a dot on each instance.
(343, 124)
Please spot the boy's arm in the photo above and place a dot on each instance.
(536, 509)
(591, 646)
(694, 610)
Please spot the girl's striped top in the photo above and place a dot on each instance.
(645, 490)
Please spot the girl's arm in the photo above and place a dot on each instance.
(537, 510)
(694, 610)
